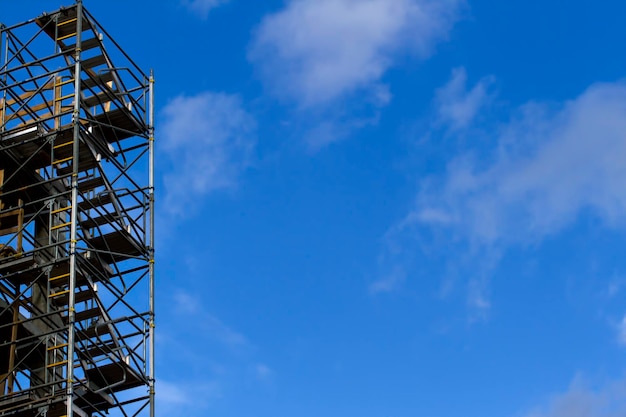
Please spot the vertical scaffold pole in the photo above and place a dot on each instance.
(152, 242)
(4, 37)
(74, 212)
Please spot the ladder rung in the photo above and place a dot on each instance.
(60, 226)
(71, 80)
(69, 35)
(58, 294)
(64, 97)
(58, 277)
(60, 161)
(62, 145)
(61, 346)
(61, 209)
(67, 21)
(54, 365)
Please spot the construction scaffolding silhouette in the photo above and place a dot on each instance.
(76, 221)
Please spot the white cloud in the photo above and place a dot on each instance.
(551, 164)
(203, 7)
(549, 167)
(582, 401)
(456, 106)
(317, 51)
(208, 140)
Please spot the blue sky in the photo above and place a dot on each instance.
(386, 208)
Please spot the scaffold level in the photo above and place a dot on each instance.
(76, 221)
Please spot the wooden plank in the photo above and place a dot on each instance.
(80, 296)
(84, 46)
(87, 162)
(93, 62)
(32, 109)
(91, 223)
(119, 376)
(120, 243)
(96, 331)
(88, 314)
(47, 86)
(98, 201)
(102, 79)
(90, 184)
(103, 98)
(120, 118)
(99, 349)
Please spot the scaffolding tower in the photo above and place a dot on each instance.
(76, 221)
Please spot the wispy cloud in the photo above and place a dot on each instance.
(478, 300)
(551, 163)
(186, 397)
(457, 107)
(582, 401)
(332, 128)
(186, 304)
(218, 359)
(549, 166)
(207, 140)
(203, 7)
(173, 394)
(615, 287)
(390, 281)
(621, 331)
(262, 371)
(318, 54)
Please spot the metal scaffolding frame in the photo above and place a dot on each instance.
(76, 221)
